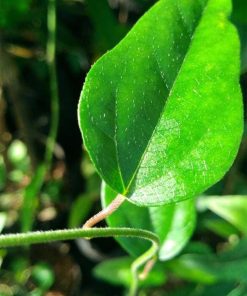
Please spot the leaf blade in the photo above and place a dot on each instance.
(160, 133)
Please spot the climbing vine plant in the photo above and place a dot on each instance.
(162, 118)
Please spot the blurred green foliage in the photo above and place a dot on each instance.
(12, 13)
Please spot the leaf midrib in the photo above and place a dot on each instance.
(163, 110)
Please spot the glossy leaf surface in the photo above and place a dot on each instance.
(161, 113)
(173, 224)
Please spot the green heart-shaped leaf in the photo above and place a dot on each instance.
(173, 224)
(161, 113)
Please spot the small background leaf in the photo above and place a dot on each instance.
(117, 272)
(80, 210)
(228, 266)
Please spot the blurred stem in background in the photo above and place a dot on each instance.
(51, 59)
(30, 199)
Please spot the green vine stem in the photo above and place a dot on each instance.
(147, 257)
(107, 211)
(13, 240)
(38, 237)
